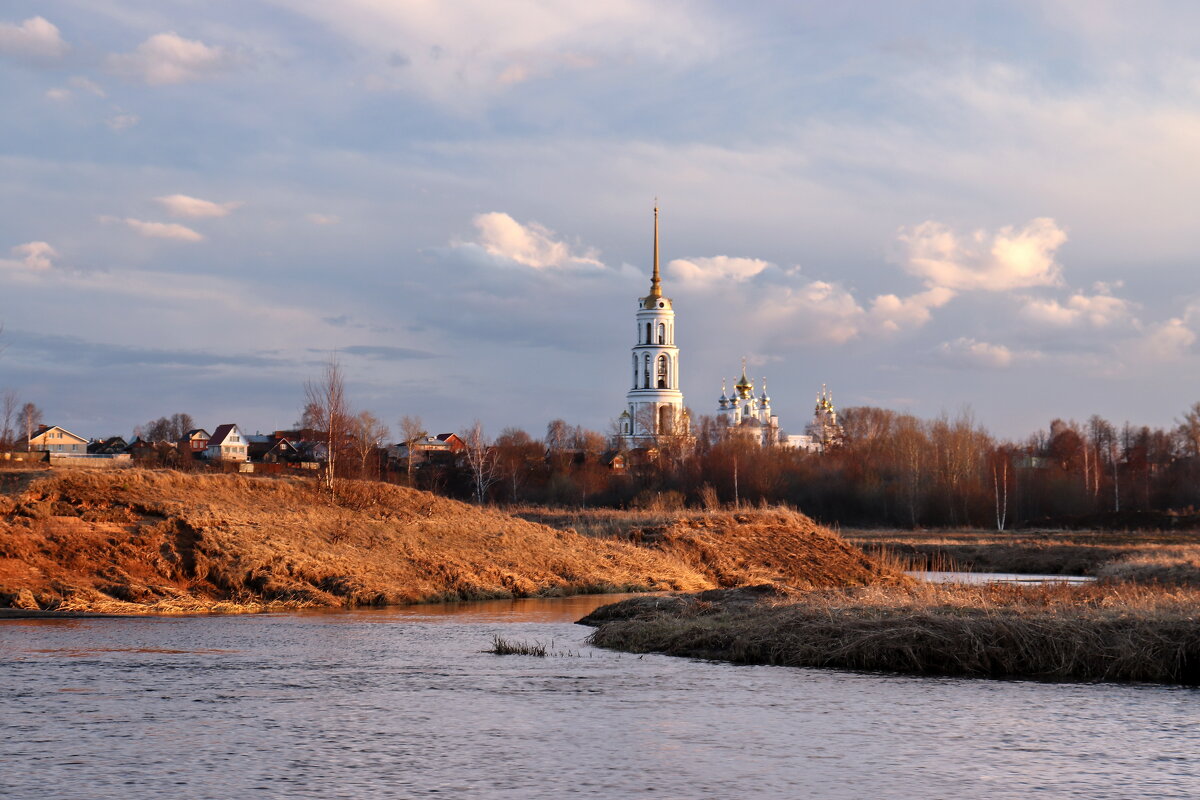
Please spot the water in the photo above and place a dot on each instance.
(998, 577)
(403, 703)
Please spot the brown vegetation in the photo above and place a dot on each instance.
(169, 541)
(1099, 632)
(1147, 557)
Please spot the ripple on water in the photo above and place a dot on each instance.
(404, 703)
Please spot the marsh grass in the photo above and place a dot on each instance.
(1098, 632)
(506, 647)
(1143, 556)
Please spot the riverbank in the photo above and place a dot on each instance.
(163, 542)
(1114, 632)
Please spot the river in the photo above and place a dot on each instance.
(403, 703)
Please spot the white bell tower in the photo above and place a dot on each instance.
(654, 404)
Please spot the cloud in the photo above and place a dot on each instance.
(704, 272)
(35, 38)
(31, 255)
(180, 205)
(893, 313)
(816, 311)
(167, 58)
(386, 353)
(1008, 259)
(462, 55)
(119, 122)
(159, 230)
(1166, 341)
(79, 82)
(531, 245)
(967, 353)
(1100, 310)
(322, 219)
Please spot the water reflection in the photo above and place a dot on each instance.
(404, 703)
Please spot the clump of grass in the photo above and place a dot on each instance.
(1098, 632)
(505, 647)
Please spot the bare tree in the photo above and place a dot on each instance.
(412, 429)
(29, 417)
(481, 460)
(367, 435)
(325, 401)
(9, 403)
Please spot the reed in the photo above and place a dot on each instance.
(505, 647)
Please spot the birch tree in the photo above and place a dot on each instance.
(325, 400)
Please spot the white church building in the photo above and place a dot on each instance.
(654, 404)
(654, 409)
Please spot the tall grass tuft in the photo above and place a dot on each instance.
(505, 647)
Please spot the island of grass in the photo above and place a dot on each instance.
(1095, 632)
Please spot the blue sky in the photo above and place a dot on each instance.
(924, 205)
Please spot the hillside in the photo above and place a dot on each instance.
(161, 541)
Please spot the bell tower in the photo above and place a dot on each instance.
(654, 403)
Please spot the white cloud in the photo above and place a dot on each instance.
(1166, 341)
(180, 205)
(322, 219)
(119, 122)
(817, 311)
(968, 353)
(1100, 310)
(705, 272)
(532, 245)
(462, 54)
(167, 58)
(1008, 259)
(58, 94)
(159, 230)
(34, 38)
(893, 313)
(31, 255)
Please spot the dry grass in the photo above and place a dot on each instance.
(177, 543)
(734, 548)
(1099, 632)
(1039, 552)
(1173, 566)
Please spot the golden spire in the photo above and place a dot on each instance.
(656, 280)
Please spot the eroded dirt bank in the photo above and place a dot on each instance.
(138, 541)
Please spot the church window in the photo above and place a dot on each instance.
(646, 372)
(662, 372)
(647, 333)
(635, 371)
(662, 333)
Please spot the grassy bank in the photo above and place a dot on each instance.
(167, 542)
(1091, 633)
(1143, 556)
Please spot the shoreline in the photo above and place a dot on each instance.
(1121, 633)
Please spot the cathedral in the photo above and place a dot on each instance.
(654, 404)
(654, 409)
(745, 415)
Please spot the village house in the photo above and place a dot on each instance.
(270, 449)
(227, 444)
(113, 445)
(194, 443)
(53, 439)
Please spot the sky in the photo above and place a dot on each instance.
(928, 206)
